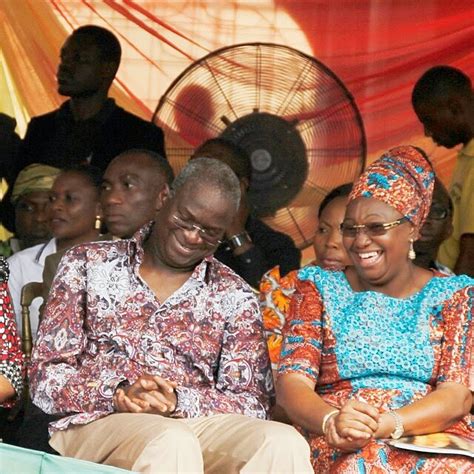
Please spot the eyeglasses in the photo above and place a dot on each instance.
(211, 237)
(372, 230)
(437, 213)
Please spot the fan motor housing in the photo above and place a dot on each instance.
(278, 156)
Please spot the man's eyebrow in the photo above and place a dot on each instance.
(124, 175)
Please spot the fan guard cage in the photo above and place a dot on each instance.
(265, 78)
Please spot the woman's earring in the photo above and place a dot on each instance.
(98, 223)
(411, 252)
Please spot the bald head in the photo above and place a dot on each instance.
(441, 83)
(444, 103)
(227, 152)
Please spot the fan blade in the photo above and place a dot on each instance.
(193, 114)
(258, 78)
(220, 88)
(294, 88)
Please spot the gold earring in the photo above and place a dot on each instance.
(411, 252)
(98, 223)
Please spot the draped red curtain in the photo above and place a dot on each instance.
(380, 48)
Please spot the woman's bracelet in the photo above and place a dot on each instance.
(399, 428)
(326, 419)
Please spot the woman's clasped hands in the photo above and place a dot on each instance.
(353, 426)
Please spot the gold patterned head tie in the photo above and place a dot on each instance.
(35, 177)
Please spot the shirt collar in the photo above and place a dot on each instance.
(15, 244)
(101, 117)
(135, 243)
(468, 150)
(46, 249)
(202, 271)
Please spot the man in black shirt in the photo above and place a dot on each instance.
(89, 127)
(251, 247)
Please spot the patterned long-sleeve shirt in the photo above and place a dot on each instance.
(11, 358)
(103, 325)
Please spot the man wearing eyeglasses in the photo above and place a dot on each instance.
(155, 351)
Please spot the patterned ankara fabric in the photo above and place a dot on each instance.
(384, 351)
(275, 296)
(401, 178)
(11, 358)
(103, 325)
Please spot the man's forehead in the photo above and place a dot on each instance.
(81, 42)
(195, 187)
(193, 191)
(138, 164)
(210, 209)
(440, 196)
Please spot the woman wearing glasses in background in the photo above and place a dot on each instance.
(382, 348)
(437, 228)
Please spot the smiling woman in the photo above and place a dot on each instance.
(381, 349)
(385, 213)
(72, 214)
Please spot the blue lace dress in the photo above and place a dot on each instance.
(388, 352)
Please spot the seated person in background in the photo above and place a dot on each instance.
(72, 212)
(437, 228)
(11, 357)
(443, 99)
(132, 190)
(163, 366)
(30, 197)
(276, 291)
(251, 247)
(382, 348)
(89, 127)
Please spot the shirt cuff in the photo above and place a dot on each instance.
(12, 372)
(188, 405)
